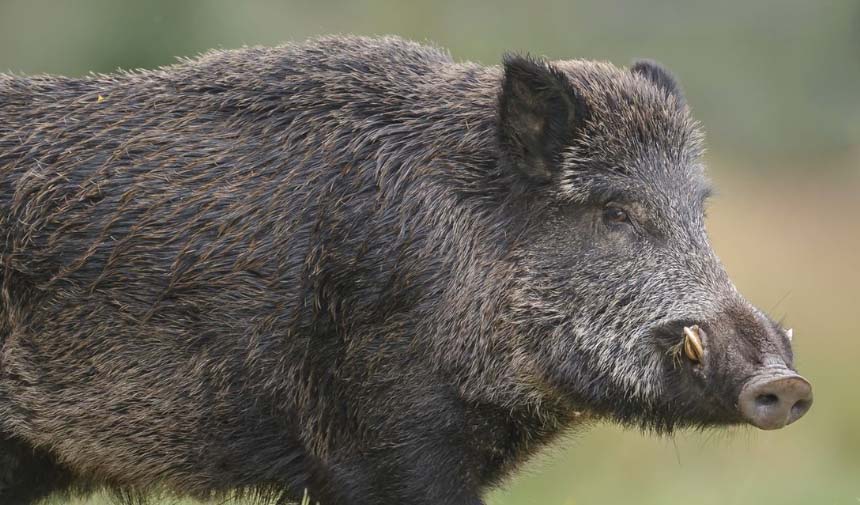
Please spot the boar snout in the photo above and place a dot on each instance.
(775, 397)
(736, 367)
(757, 351)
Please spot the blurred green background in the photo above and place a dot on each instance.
(776, 85)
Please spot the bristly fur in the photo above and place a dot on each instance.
(352, 266)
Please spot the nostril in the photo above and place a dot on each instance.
(799, 408)
(767, 400)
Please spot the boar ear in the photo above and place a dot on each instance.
(661, 76)
(536, 114)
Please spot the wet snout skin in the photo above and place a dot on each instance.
(774, 398)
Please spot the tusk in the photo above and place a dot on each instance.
(693, 344)
(789, 333)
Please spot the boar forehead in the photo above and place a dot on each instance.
(638, 145)
(628, 117)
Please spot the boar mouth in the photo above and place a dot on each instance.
(720, 386)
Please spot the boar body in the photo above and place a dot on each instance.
(353, 267)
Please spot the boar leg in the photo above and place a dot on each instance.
(28, 475)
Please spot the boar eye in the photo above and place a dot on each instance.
(615, 214)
